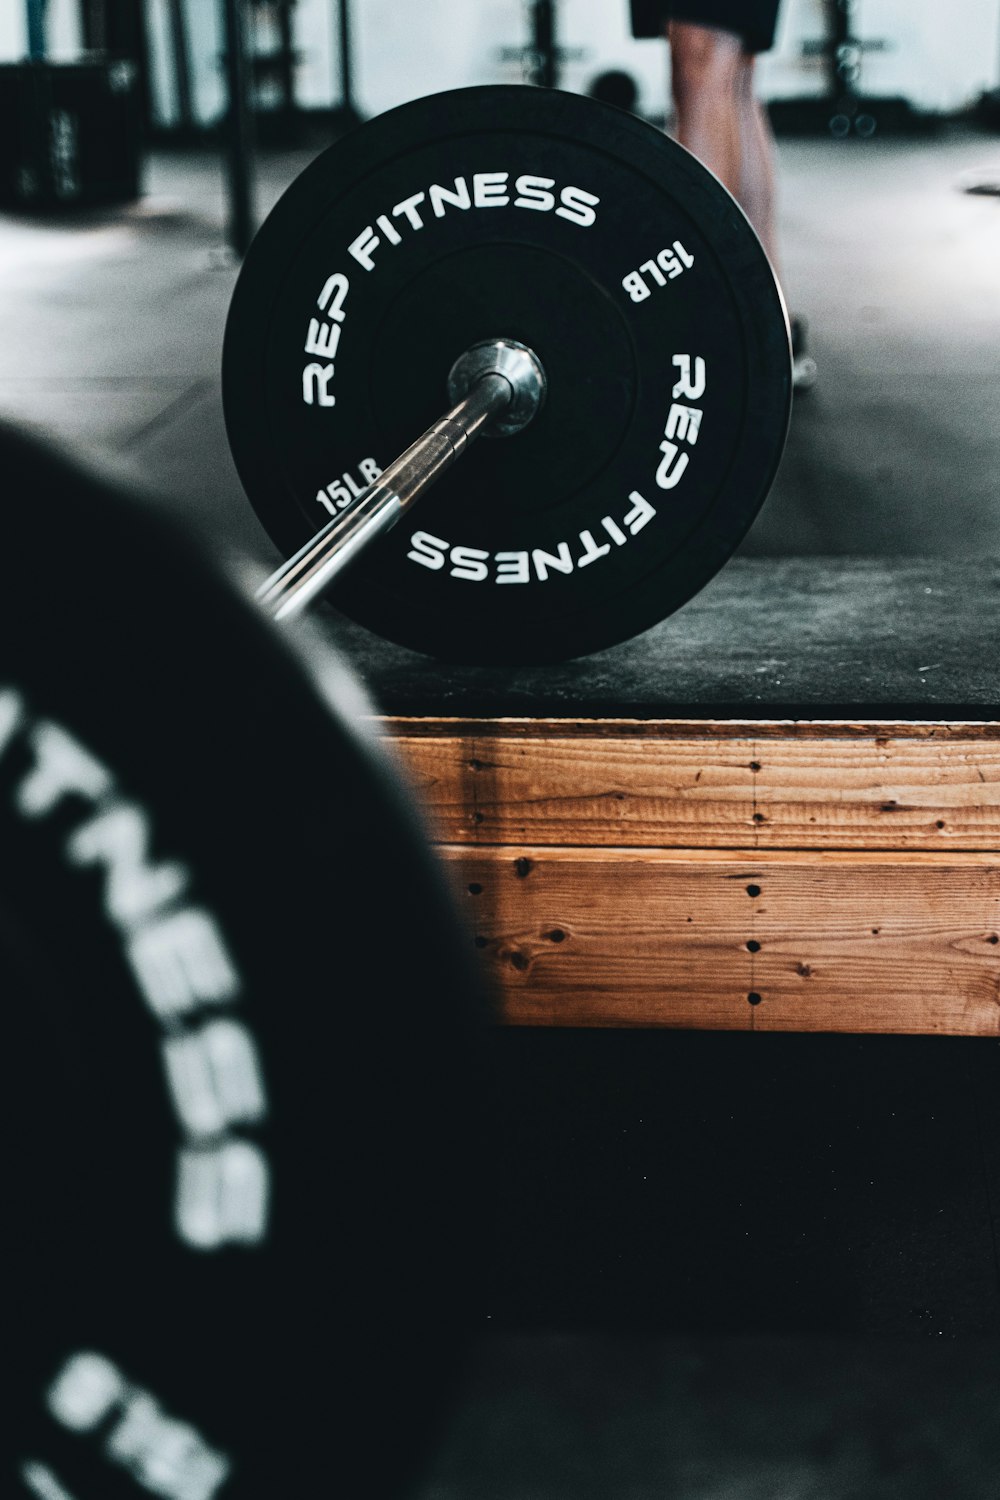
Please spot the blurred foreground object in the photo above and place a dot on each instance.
(245, 1140)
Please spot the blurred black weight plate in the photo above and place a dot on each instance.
(588, 235)
(242, 1143)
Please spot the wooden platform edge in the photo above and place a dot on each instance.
(707, 783)
(736, 939)
(820, 875)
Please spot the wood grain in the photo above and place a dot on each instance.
(848, 941)
(707, 784)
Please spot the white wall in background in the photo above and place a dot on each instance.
(206, 40)
(63, 28)
(598, 31)
(940, 57)
(318, 78)
(402, 51)
(784, 71)
(161, 80)
(203, 21)
(943, 57)
(13, 32)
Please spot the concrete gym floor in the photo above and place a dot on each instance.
(726, 1266)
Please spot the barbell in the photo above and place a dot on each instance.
(246, 1227)
(653, 372)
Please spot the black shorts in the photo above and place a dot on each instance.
(753, 20)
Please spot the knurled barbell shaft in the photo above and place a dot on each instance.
(314, 567)
(503, 386)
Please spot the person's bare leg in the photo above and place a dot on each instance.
(705, 70)
(756, 190)
(720, 120)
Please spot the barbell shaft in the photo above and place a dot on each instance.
(314, 567)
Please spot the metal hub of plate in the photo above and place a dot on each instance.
(590, 237)
(518, 365)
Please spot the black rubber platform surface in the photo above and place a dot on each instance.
(768, 638)
(724, 1419)
(710, 1183)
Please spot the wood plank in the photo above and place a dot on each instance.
(708, 784)
(848, 941)
(682, 728)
